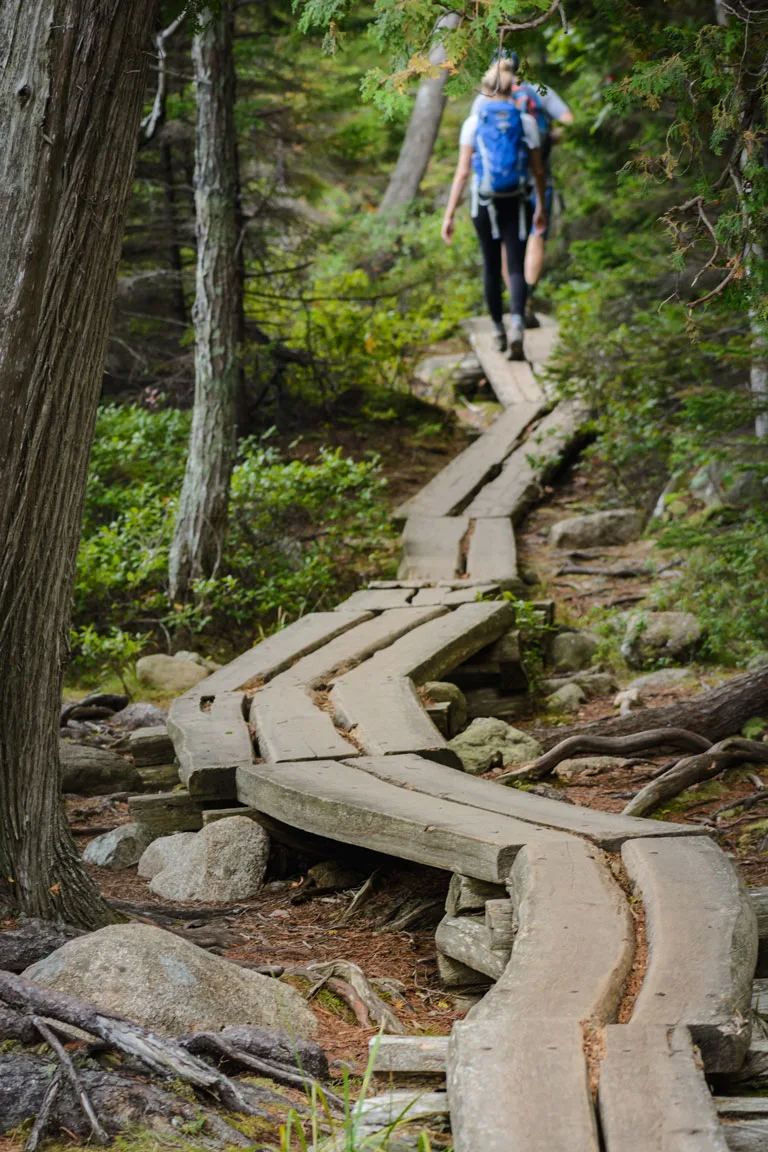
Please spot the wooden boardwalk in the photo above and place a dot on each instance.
(322, 728)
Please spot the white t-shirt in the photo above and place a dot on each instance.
(530, 131)
(552, 105)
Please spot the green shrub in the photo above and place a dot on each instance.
(300, 535)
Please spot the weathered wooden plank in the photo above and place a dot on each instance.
(290, 726)
(563, 892)
(652, 1094)
(530, 465)
(607, 829)
(151, 746)
(432, 546)
(448, 492)
(702, 942)
(408, 1053)
(387, 716)
(376, 600)
(501, 922)
(465, 894)
(759, 900)
(356, 645)
(166, 812)
(741, 1105)
(746, 1135)
(512, 381)
(467, 939)
(453, 597)
(519, 1087)
(211, 737)
(539, 344)
(335, 800)
(492, 553)
(278, 652)
(435, 648)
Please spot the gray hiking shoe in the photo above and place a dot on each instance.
(516, 339)
(499, 338)
(531, 319)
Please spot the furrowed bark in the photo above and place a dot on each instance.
(202, 516)
(71, 84)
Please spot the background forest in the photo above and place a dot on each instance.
(660, 307)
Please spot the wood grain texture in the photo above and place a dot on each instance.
(431, 547)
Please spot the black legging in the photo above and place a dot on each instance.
(508, 217)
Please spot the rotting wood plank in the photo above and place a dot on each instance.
(530, 465)
(492, 552)
(210, 743)
(512, 381)
(376, 599)
(290, 726)
(702, 945)
(539, 344)
(522, 1087)
(277, 652)
(652, 1093)
(453, 597)
(387, 716)
(356, 645)
(408, 1053)
(609, 830)
(453, 487)
(431, 546)
(334, 800)
(563, 893)
(435, 648)
(467, 939)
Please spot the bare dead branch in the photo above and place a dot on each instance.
(536, 21)
(70, 1072)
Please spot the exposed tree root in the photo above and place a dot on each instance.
(693, 769)
(610, 745)
(97, 1130)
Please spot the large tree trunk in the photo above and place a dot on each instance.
(716, 713)
(71, 85)
(423, 127)
(202, 517)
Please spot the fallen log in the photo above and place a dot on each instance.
(693, 769)
(32, 940)
(716, 713)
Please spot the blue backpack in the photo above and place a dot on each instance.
(501, 153)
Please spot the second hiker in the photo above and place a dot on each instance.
(500, 148)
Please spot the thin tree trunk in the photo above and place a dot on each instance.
(71, 84)
(202, 516)
(423, 127)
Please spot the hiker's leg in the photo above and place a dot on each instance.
(534, 253)
(504, 268)
(491, 250)
(511, 227)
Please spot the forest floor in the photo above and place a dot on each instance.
(273, 930)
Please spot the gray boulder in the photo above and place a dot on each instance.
(654, 635)
(94, 771)
(142, 714)
(617, 526)
(566, 699)
(168, 674)
(444, 693)
(120, 848)
(225, 861)
(572, 651)
(165, 852)
(653, 682)
(577, 767)
(593, 683)
(196, 658)
(169, 985)
(489, 743)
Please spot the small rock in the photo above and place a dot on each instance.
(331, 874)
(576, 768)
(442, 692)
(139, 715)
(572, 651)
(196, 658)
(653, 682)
(164, 852)
(95, 771)
(168, 674)
(653, 635)
(226, 861)
(617, 526)
(595, 684)
(120, 848)
(489, 742)
(566, 699)
(169, 985)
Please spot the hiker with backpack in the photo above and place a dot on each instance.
(547, 108)
(500, 147)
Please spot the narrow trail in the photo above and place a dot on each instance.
(322, 727)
